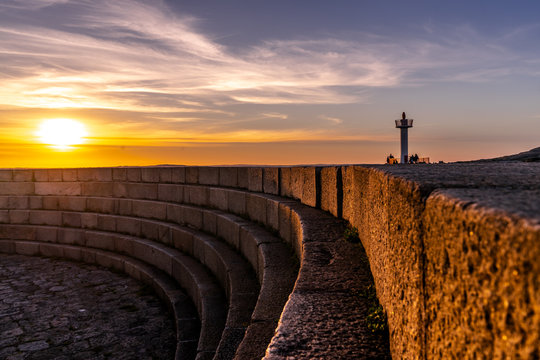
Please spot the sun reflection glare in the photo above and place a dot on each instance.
(61, 133)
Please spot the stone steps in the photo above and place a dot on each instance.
(265, 252)
(185, 315)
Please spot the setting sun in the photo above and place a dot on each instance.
(61, 133)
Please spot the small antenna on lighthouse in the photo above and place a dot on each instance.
(404, 124)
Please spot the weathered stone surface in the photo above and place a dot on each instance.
(482, 276)
(58, 188)
(331, 190)
(112, 313)
(255, 179)
(271, 180)
(228, 176)
(94, 174)
(309, 187)
(208, 175)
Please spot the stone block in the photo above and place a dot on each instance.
(309, 187)
(331, 190)
(101, 205)
(272, 214)
(271, 180)
(208, 175)
(255, 179)
(43, 217)
(19, 216)
(89, 256)
(134, 174)
(109, 261)
(120, 189)
(192, 175)
(71, 237)
(58, 188)
(51, 250)
(182, 240)
(54, 175)
(256, 208)
(228, 228)
(119, 174)
(69, 175)
(178, 175)
(26, 248)
(127, 225)
(100, 240)
(23, 175)
(175, 213)
(218, 199)
(20, 188)
(4, 202)
(35, 202)
(150, 230)
(171, 193)
(124, 207)
(296, 234)
(248, 246)
(193, 217)
(71, 219)
(297, 182)
(7, 247)
(150, 209)
(94, 174)
(142, 191)
(243, 177)
(71, 203)
(228, 176)
(4, 217)
(50, 202)
(123, 244)
(73, 253)
(88, 221)
(285, 182)
(41, 175)
(17, 232)
(164, 234)
(150, 175)
(6, 175)
(196, 195)
(165, 175)
(104, 189)
(46, 233)
(209, 222)
(237, 202)
(106, 223)
(16, 202)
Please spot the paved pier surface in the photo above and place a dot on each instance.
(56, 309)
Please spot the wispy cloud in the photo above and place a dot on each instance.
(333, 120)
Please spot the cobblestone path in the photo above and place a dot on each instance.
(55, 309)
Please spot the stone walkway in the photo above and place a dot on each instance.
(55, 309)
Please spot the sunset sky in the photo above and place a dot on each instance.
(266, 82)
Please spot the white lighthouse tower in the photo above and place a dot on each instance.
(404, 124)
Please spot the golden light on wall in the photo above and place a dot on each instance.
(62, 133)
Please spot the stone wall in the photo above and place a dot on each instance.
(453, 248)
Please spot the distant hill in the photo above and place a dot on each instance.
(527, 156)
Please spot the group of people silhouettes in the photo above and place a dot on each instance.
(413, 159)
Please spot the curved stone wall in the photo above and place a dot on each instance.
(454, 261)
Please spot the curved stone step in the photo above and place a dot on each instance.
(185, 315)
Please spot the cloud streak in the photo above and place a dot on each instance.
(107, 50)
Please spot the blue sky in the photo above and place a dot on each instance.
(276, 82)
